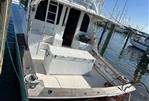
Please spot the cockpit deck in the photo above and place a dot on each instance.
(91, 80)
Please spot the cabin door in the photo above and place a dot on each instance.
(70, 28)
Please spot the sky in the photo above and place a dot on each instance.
(136, 12)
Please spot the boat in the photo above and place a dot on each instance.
(4, 18)
(140, 40)
(57, 53)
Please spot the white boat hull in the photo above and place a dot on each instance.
(138, 45)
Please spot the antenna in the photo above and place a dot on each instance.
(114, 8)
(123, 10)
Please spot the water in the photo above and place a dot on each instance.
(126, 63)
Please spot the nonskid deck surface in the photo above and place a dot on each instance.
(90, 80)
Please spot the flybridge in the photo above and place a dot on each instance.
(95, 5)
(92, 4)
(86, 3)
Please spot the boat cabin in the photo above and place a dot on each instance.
(59, 24)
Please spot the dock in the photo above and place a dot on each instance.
(5, 7)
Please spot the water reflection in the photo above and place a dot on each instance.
(131, 53)
(141, 69)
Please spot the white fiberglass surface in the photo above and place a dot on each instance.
(91, 80)
(92, 4)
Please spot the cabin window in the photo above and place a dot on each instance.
(59, 13)
(85, 23)
(52, 12)
(41, 10)
(65, 16)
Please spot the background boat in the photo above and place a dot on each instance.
(140, 40)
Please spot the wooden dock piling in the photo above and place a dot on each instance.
(107, 40)
(127, 39)
(129, 33)
(104, 30)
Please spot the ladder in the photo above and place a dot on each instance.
(51, 13)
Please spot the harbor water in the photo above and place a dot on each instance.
(126, 62)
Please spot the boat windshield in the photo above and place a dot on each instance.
(95, 5)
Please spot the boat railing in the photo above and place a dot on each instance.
(65, 93)
(91, 4)
(107, 68)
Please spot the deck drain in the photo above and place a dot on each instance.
(98, 92)
(85, 93)
(50, 91)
